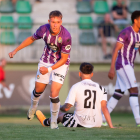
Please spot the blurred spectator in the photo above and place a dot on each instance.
(106, 27)
(2, 72)
(14, 1)
(119, 12)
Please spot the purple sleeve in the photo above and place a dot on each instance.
(66, 45)
(39, 32)
(123, 36)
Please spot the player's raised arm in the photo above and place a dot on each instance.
(24, 44)
(61, 62)
(106, 113)
(117, 47)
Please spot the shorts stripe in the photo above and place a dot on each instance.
(73, 123)
(69, 121)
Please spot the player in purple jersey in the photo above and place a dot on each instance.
(128, 44)
(53, 64)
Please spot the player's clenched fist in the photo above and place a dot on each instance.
(11, 54)
(111, 74)
(43, 70)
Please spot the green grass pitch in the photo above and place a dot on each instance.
(19, 128)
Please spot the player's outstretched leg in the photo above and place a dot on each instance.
(42, 118)
(112, 103)
(133, 99)
(34, 103)
(54, 109)
(46, 122)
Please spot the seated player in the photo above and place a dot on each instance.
(88, 97)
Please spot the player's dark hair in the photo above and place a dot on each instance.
(86, 68)
(55, 13)
(135, 15)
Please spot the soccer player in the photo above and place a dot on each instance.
(88, 97)
(53, 64)
(128, 44)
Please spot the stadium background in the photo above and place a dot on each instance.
(23, 19)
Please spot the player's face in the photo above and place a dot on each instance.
(119, 2)
(138, 22)
(55, 23)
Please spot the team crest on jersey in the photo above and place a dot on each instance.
(137, 45)
(59, 40)
(120, 39)
(68, 47)
(38, 76)
(53, 47)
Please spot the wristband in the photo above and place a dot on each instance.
(49, 69)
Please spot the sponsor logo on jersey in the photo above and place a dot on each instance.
(59, 75)
(53, 47)
(38, 76)
(120, 39)
(59, 40)
(68, 47)
(68, 40)
(137, 45)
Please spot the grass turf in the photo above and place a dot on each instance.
(19, 128)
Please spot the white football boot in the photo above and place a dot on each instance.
(31, 111)
(54, 125)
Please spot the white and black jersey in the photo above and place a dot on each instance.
(86, 96)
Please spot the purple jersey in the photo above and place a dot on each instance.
(131, 43)
(54, 45)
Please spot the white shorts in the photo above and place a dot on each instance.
(125, 78)
(57, 75)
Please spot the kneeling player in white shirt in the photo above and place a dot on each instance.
(88, 97)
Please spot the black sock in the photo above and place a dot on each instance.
(46, 122)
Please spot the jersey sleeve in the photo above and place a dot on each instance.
(39, 32)
(123, 37)
(71, 96)
(104, 93)
(66, 46)
(104, 97)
